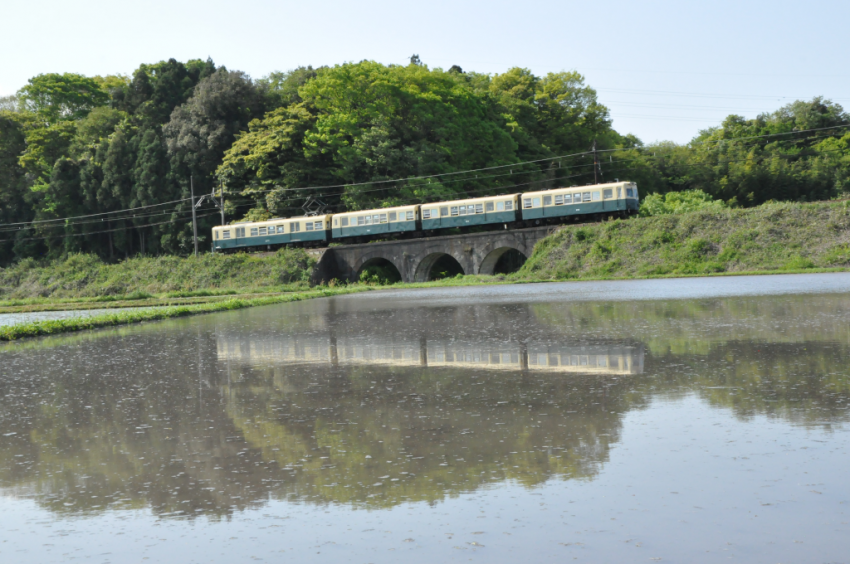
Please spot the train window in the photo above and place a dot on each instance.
(294, 227)
(536, 202)
(454, 210)
(376, 219)
(409, 215)
(547, 200)
(393, 216)
(526, 203)
(343, 222)
(215, 234)
(444, 212)
(383, 218)
(479, 208)
(368, 220)
(309, 226)
(559, 199)
(509, 206)
(361, 220)
(462, 210)
(225, 234)
(608, 193)
(336, 222)
(489, 206)
(596, 195)
(585, 196)
(255, 231)
(240, 231)
(319, 226)
(619, 193)
(500, 206)
(634, 190)
(426, 214)
(263, 231)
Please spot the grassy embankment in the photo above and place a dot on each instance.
(769, 239)
(775, 238)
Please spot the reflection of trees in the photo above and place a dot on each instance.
(102, 431)
(693, 326)
(154, 416)
(804, 383)
(386, 435)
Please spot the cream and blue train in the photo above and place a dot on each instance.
(618, 199)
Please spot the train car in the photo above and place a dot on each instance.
(616, 197)
(473, 211)
(298, 230)
(375, 222)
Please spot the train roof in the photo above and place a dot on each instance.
(581, 188)
(379, 210)
(473, 200)
(275, 221)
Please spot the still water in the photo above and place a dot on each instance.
(674, 421)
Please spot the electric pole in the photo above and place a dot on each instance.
(194, 214)
(597, 169)
(217, 203)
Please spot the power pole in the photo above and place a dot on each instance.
(194, 215)
(217, 203)
(597, 172)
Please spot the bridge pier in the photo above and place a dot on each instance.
(476, 253)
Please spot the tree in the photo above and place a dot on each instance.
(281, 88)
(56, 97)
(202, 129)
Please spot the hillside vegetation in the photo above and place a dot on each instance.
(105, 165)
(80, 276)
(769, 238)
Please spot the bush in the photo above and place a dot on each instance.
(679, 202)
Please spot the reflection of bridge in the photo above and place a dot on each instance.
(584, 359)
(476, 253)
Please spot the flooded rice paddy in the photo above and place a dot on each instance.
(674, 421)
(32, 316)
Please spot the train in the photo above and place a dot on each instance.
(507, 211)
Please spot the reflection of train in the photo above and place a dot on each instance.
(511, 210)
(595, 359)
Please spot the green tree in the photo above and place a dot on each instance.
(56, 97)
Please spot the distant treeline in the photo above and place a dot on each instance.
(353, 136)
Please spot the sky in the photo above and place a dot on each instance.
(666, 69)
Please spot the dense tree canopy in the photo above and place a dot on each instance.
(356, 135)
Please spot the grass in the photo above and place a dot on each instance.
(773, 238)
(52, 327)
(88, 277)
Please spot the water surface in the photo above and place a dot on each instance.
(681, 420)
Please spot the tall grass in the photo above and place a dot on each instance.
(87, 276)
(770, 238)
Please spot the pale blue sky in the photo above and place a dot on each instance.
(665, 68)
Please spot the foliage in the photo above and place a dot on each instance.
(81, 275)
(354, 136)
(679, 202)
(56, 97)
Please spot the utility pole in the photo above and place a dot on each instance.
(597, 171)
(217, 203)
(194, 214)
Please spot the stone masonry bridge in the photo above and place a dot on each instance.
(476, 253)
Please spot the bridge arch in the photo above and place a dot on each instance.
(425, 267)
(491, 260)
(373, 260)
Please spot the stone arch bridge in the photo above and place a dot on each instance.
(476, 253)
